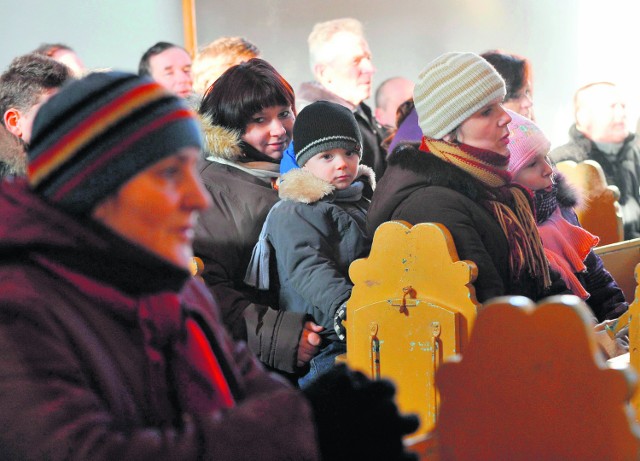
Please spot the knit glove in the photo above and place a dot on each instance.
(357, 418)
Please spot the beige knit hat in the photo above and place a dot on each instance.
(451, 88)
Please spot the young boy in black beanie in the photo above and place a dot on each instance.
(318, 227)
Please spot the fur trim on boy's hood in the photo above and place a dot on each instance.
(219, 141)
(300, 185)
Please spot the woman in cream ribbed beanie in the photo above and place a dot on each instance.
(453, 87)
(458, 177)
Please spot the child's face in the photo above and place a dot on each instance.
(336, 166)
(536, 174)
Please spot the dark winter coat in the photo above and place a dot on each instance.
(622, 171)
(78, 379)
(419, 187)
(225, 236)
(607, 300)
(315, 236)
(373, 154)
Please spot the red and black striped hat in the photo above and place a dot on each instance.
(99, 132)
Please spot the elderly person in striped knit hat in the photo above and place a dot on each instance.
(109, 349)
(458, 177)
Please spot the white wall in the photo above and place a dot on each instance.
(105, 33)
(570, 42)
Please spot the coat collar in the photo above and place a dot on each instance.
(300, 185)
(221, 142)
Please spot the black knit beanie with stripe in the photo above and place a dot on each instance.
(322, 126)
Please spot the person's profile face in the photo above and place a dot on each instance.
(157, 209)
(602, 114)
(536, 174)
(486, 129)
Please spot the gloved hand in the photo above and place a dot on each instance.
(357, 418)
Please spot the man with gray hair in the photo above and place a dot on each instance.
(601, 133)
(28, 82)
(341, 65)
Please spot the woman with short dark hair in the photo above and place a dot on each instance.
(248, 116)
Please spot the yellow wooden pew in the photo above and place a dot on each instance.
(412, 307)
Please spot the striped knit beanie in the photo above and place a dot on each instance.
(525, 141)
(99, 132)
(322, 126)
(453, 87)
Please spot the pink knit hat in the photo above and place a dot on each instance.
(526, 139)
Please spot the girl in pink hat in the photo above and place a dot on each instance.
(568, 246)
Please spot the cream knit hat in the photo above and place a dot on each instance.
(451, 88)
(525, 141)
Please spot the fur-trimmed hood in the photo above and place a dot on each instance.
(300, 185)
(220, 142)
(568, 196)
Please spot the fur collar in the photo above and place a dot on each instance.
(300, 185)
(430, 170)
(220, 142)
(567, 195)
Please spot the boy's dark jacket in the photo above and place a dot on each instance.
(316, 236)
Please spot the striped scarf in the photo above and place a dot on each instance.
(509, 204)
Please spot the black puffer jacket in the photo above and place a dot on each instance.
(419, 187)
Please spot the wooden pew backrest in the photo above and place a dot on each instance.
(412, 307)
(532, 385)
(599, 211)
(620, 260)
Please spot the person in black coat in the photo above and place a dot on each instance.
(458, 177)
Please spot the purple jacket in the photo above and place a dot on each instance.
(77, 380)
